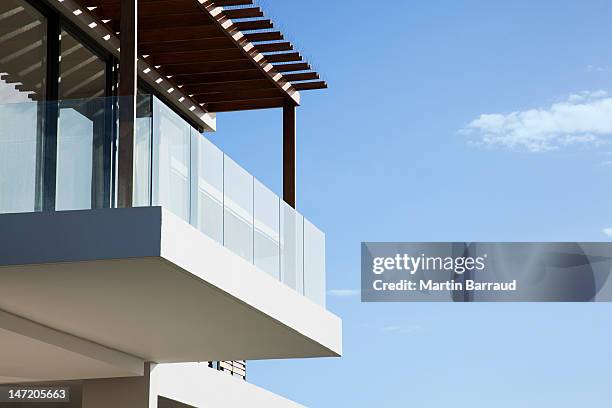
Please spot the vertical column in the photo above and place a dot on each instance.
(127, 101)
(128, 392)
(47, 143)
(289, 154)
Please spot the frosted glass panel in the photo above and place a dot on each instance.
(238, 204)
(292, 247)
(18, 157)
(83, 143)
(74, 160)
(267, 237)
(314, 263)
(171, 168)
(142, 152)
(209, 193)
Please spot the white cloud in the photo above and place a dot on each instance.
(402, 329)
(344, 292)
(607, 231)
(581, 119)
(596, 68)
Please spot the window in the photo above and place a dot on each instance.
(82, 141)
(23, 50)
(56, 122)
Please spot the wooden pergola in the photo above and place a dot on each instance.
(224, 54)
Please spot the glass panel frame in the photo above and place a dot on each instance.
(238, 231)
(314, 263)
(266, 240)
(171, 187)
(207, 211)
(292, 248)
(84, 126)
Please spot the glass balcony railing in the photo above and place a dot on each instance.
(175, 166)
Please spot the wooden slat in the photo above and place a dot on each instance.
(225, 3)
(251, 12)
(272, 47)
(158, 35)
(240, 95)
(304, 86)
(254, 25)
(186, 46)
(155, 8)
(265, 36)
(108, 13)
(245, 105)
(299, 66)
(303, 76)
(262, 65)
(204, 67)
(195, 56)
(187, 42)
(284, 57)
(227, 86)
(232, 76)
(173, 20)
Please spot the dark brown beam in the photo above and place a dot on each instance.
(127, 101)
(284, 57)
(265, 36)
(207, 67)
(273, 47)
(299, 66)
(240, 95)
(195, 56)
(227, 86)
(232, 76)
(254, 25)
(225, 3)
(261, 65)
(304, 76)
(153, 8)
(173, 20)
(251, 12)
(108, 12)
(289, 154)
(92, 3)
(304, 86)
(186, 46)
(172, 34)
(98, 3)
(245, 105)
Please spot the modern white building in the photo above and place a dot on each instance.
(140, 266)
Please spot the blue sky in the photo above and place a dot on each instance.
(447, 121)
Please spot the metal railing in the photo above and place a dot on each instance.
(234, 368)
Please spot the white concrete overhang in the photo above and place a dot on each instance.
(196, 385)
(30, 352)
(148, 285)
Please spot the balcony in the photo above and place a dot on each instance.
(175, 167)
(208, 265)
